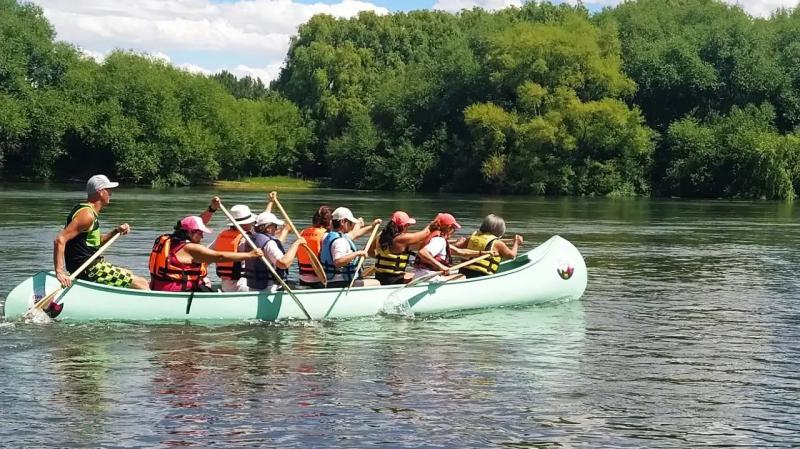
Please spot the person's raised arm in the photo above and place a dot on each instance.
(413, 238)
(206, 255)
(286, 261)
(209, 212)
(506, 252)
(363, 230)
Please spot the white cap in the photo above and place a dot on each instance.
(99, 182)
(265, 218)
(343, 213)
(241, 213)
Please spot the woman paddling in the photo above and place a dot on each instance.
(339, 255)
(393, 249)
(269, 239)
(178, 260)
(488, 238)
(435, 254)
(313, 235)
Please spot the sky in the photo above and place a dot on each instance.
(245, 37)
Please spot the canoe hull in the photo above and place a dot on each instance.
(552, 272)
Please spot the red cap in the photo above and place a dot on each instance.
(401, 218)
(194, 223)
(445, 219)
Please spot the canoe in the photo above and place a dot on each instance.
(552, 272)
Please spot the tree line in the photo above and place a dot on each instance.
(690, 98)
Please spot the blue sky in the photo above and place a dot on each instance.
(245, 37)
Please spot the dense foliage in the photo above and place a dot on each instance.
(672, 97)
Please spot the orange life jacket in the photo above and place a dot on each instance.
(228, 240)
(313, 238)
(165, 266)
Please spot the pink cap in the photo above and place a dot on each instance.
(194, 223)
(401, 218)
(446, 219)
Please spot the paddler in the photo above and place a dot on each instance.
(313, 235)
(81, 238)
(394, 247)
(230, 272)
(268, 237)
(436, 254)
(488, 238)
(338, 253)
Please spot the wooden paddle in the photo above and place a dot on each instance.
(48, 299)
(361, 261)
(392, 301)
(264, 259)
(502, 240)
(315, 263)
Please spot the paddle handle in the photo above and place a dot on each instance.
(469, 262)
(362, 259)
(315, 263)
(264, 259)
(44, 302)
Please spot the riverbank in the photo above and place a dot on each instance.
(269, 183)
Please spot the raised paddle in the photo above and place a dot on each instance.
(264, 259)
(315, 263)
(47, 300)
(362, 259)
(393, 301)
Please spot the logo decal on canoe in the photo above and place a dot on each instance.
(565, 270)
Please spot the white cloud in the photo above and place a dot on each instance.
(260, 28)
(763, 8)
(490, 5)
(266, 74)
(194, 68)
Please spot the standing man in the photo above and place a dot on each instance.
(81, 238)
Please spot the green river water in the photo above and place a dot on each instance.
(686, 336)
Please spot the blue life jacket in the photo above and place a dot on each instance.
(257, 274)
(326, 257)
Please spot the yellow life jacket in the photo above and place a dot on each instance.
(483, 242)
(391, 263)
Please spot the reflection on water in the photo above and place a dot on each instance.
(686, 337)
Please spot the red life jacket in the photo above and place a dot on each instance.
(445, 260)
(228, 240)
(313, 238)
(167, 273)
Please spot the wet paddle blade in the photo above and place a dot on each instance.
(396, 305)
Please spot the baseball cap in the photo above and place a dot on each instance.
(194, 223)
(401, 218)
(343, 213)
(99, 182)
(446, 219)
(265, 218)
(241, 213)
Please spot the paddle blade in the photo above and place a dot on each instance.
(396, 305)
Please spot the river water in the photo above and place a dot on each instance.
(687, 336)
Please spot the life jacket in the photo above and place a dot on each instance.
(165, 268)
(228, 240)
(483, 242)
(313, 238)
(391, 263)
(258, 275)
(83, 246)
(348, 272)
(444, 260)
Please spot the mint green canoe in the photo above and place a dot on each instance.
(552, 272)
